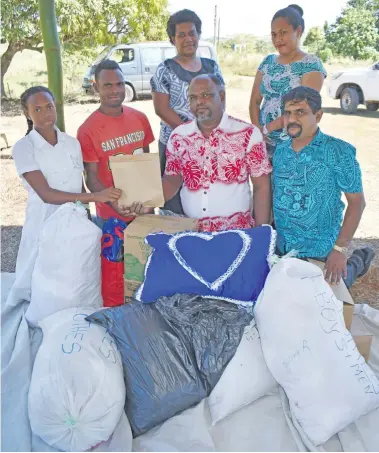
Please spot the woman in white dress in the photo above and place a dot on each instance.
(49, 162)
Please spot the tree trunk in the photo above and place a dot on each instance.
(6, 60)
(53, 55)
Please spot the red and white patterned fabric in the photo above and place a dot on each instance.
(216, 171)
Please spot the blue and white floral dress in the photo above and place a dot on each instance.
(277, 80)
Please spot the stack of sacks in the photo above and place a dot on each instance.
(77, 390)
(173, 352)
(168, 364)
(67, 269)
(310, 352)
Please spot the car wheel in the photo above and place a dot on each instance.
(129, 93)
(349, 100)
(373, 106)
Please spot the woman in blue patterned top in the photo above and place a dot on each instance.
(278, 74)
(172, 78)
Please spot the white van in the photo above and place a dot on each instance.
(139, 62)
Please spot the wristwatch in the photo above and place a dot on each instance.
(340, 249)
(264, 130)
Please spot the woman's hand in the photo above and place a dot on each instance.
(108, 195)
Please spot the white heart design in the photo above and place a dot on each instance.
(246, 244)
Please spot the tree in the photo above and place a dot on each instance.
(53, 55)
(20, 25)
(368, 5)
(82, 23)
(317, 44)
(354, 34)
(315, 39)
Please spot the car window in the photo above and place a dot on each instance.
(204, 52)
(122, 55)
(151, 55)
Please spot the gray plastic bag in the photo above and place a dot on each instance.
(213, 327)
(160, 371)
(173, 352)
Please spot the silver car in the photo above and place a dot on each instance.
(139, 62)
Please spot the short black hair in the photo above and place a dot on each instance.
(293, 15)
(106, 64)
(302, 93)
(180, 17)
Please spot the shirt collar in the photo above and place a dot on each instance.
(315, 142)
(40, 142)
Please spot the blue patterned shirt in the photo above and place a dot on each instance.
(277, 80)
(170, 78)
(307, 190)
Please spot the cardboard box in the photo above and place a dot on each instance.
(362, 336)
(136, 252)
(359, 331)
(363, 343)
(342, 293)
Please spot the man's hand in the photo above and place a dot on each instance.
(138, 208)
(336, 266)
(121, 210)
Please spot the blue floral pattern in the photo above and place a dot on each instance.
(307, 189)
(277, 80)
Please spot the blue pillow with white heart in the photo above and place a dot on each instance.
(229, 265)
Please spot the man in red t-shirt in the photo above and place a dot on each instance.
(110, 130)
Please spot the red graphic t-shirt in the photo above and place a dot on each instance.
(101, 136)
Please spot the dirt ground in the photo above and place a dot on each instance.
(362, 130)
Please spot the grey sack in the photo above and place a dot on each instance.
(173, 352)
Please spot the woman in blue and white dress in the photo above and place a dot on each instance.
(278, 74)
(173, 76)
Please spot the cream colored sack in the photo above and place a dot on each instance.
(139, 178)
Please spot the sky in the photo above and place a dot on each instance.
(254, 16)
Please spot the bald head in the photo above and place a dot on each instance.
(206, 95)
(210, 77)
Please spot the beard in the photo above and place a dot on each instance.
(294, 134)
(206, 115)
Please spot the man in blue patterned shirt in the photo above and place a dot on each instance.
(310, 173)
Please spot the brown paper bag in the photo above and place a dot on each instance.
(139, 178)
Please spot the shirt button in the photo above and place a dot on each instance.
(207, 157)
(205, 192)
(204, 209)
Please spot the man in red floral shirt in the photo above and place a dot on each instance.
(211, 161)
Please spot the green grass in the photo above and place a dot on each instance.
(240, 64)
(245, 64)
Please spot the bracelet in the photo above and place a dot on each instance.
(264, 130)
(340, 249)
